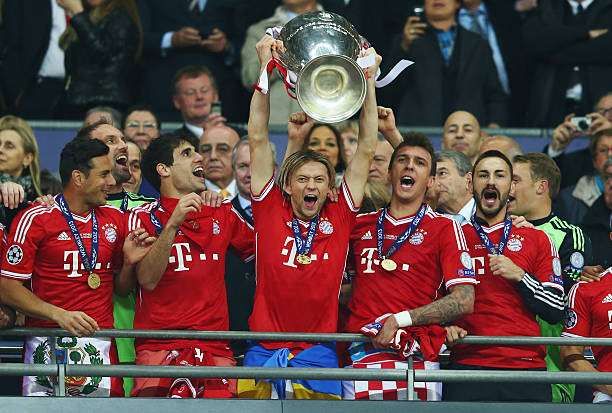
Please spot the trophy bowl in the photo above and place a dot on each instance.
(322, 49)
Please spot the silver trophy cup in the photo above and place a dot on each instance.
(322, 49)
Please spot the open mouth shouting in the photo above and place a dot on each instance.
(406, 182)
(489, 197)
(122, 160)
(198, 171)
(310, 201)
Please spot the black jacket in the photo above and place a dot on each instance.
(557, 47)
(26, 27)
(419, 96)
(573, 165)
(100, 63)
(597, 225)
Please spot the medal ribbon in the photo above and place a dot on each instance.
(154, 220)
(380, 232)
(485, 238)
(303, 246)
(124, 202)
(88, 262)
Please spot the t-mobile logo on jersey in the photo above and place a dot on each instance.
(478, 263)
(367, 259)
(181, 254)
(75, 268)
(290, 251)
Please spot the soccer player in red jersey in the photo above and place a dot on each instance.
(412, 269)
(519, 275)
(182, 279)
(302, 244)
(589, 314)
(70, 254)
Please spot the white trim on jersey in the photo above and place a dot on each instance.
(566, 334)
(553, 285)
(571, 296)
(16, 275)
(349, 197)
(264, 192)
(240, 217)
(461, 281)
(26, 221)
(459, 235)
(541, 294)
(494, 227)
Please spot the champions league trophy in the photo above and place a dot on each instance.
(322, 50)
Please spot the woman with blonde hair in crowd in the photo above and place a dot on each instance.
(103, 42)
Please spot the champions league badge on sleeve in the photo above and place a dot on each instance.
(14, 255)
(577, 260)
(571, 318)
(466, 260)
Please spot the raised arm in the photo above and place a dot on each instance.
(298, 128)
(356, 174)
(262, 157)
(386, 126)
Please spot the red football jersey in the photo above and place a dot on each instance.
(589, 314)
(41, 249)
(432, 260)
(499, 310)
(191, 294)
(294, 297)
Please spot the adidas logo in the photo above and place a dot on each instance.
(367, 235)
(607, 299)
(63, 237)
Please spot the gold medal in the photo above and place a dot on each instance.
(93, 280)
(303, 259)
(388, 264)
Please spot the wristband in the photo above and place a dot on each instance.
(403, 318)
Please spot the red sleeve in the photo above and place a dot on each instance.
(347, 208)
(243, 236)
(26, 233)
(578, 317)
(122, 223)
(547, 266)
(454, 258)
(270, 197)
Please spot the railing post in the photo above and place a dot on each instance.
(61, 380)
(410, 380)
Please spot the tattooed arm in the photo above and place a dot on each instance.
(458, 303)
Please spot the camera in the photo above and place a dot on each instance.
(215, 107)
(582, 123)
(418, 11)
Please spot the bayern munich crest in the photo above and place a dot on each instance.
(326, 227)
(110, 233)
(571, 318)
(466, 260)
(14, 255)
(514, 244)
(417, 238)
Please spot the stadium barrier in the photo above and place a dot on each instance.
(410, 375)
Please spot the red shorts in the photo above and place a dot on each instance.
(183, 387)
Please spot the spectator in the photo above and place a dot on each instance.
(571, 46)
(195, 90)
(455, 70)
(178, 34)
(134, 159)
(496, 22)
(20, 161)
(597, 222)
(454, 185)
(141, 126)
(33, 65)
(216, 148)
(281, 104)
(349, 130)
(102, 43)
(505, 144)
(578, 163)
(379, 168)
(49, 184)
(574, 200)
(325, 139)
(97, 113)
(240, 275)
(462, 134)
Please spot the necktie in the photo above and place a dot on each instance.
(249, 211)
(475, 24)
(224, 193)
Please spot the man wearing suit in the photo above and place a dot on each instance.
(187, 32)
(32, 69)
(454, 70)
(240, 275)
(571, 43)
(496, 22)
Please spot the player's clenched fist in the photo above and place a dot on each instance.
(76, 322)
(503, 266)
(187, 204)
